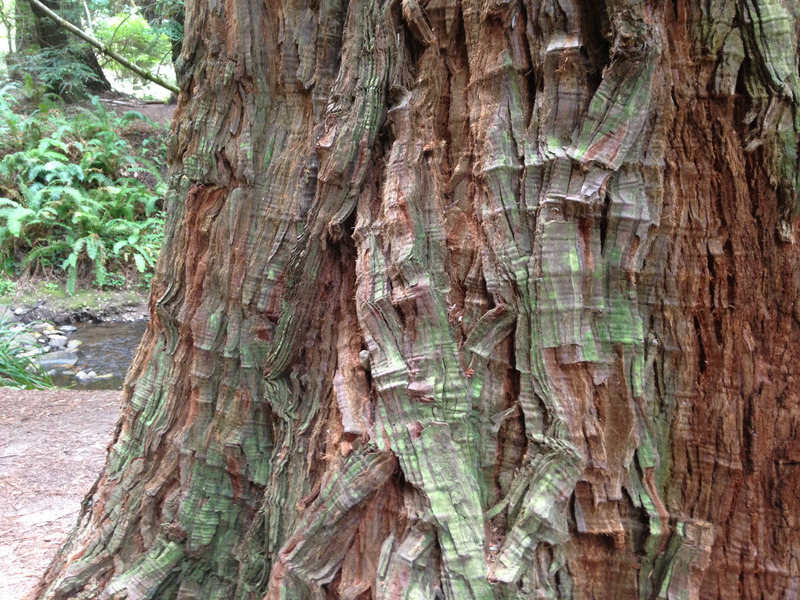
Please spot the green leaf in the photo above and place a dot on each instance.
(72, 280)
(54, 165)
(16, 221)
(91, 247)
(71, 261)
(140, 264)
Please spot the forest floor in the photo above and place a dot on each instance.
(52, 448)
(158, 112)
(155, 111)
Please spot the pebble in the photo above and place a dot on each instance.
(32, 352)
(57, 341)
(53, 350)
(84, 376)
(58, 360)
(25, 339)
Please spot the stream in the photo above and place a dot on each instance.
(107, 348)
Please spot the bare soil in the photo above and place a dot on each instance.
(137, 130)
(158, 112)
(52, 448)
(41, 304)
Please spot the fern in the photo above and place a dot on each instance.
(54, 248)
(74, 192)
(16, 218)
(52, 142)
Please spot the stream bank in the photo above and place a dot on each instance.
(54, 305)
(85, 341)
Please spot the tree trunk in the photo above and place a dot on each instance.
(466, 300)
(23, 26)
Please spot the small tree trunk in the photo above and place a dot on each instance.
(466, 300)
(23, 26)
(6, 19)
(88, 14)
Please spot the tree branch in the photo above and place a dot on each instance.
(103, 48)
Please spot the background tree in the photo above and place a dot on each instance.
(57, 47)
(23, 31)
(54, 43)
(6, 20)
(466, 300)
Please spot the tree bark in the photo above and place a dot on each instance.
(466, 301)
(24, 33)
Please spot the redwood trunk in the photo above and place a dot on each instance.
(467, 300)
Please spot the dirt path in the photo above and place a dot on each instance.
(52, 447)
(157, 112)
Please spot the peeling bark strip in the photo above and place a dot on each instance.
(467, 301)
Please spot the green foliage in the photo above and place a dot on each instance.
(167, 18)
(57, 70)
(7, 286)
(17, 370)
(131, 36)
(16, 131)
(77, 197)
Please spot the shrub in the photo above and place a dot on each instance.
(56, 70)
(74, 196)
(131, 35)
(16, 131)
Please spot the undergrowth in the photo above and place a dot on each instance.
(76, 199)
(17, 369)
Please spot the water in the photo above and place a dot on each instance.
(106, 348)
